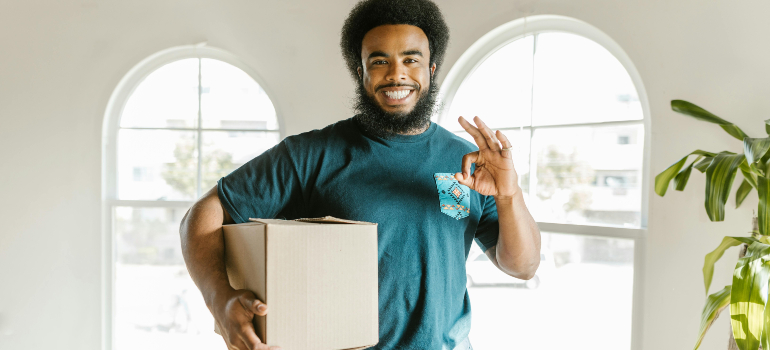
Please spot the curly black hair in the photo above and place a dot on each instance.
(369, 14)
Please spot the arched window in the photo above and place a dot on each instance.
(574, 107)
(177, 122)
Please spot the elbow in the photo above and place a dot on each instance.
(521, 268)
(529, 274)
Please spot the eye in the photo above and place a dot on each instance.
(380, 62)
(410, 60)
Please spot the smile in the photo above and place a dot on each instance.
(398, 94)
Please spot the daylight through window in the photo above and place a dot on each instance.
(575, 119)
(186, 124)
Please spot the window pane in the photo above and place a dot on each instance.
(520, 141)
(225, 151)
(157, 306)
(231, 99)
(588, 175)
(579, 81)
(157, 165)
(167, 98)
(498, 91)
(582, 291)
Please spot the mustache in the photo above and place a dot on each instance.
(414, 86)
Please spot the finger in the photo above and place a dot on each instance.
(465, 180)
(488, 134)
(237, 344)
(249, 337)
(252, 304)
(505, 142)
(474, 132)
(468, 160)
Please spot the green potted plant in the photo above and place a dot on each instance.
(748, 294)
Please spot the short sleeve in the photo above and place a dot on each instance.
(266, 187)
(488, 229)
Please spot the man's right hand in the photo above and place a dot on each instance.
(234, 313)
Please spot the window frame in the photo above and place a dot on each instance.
(520, 28)
(110, 128)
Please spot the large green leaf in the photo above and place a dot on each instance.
(763, 189)
(748, 175)
(696, 112)
(714, 256)
(742, 193)
(680, 180)
(714, 305)
(703, 164)
(755, 149)
(765, 334)
(664, 178)
(719, 180)
(767, 126)
(749, 296)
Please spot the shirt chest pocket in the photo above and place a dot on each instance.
(454, 199)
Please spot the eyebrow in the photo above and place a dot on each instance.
(405, 53)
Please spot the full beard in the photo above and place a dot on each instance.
(373, 119)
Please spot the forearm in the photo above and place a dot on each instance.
(203, 247)
(518, 246)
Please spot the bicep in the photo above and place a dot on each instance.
(207, 213)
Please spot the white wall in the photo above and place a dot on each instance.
(60, 61)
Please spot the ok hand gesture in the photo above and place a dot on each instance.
(495, 174)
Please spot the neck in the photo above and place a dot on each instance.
(417, 131)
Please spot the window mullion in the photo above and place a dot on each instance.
(199, 133)
(149, 203)
(532, 190)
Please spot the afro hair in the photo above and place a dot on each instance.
(368, 14)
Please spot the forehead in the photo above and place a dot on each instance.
(393, 39)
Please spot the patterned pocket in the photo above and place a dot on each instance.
(454, 199)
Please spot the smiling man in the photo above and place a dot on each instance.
(391, 165)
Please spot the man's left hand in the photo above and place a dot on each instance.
(495, 174)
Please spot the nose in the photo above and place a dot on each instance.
(396, 72)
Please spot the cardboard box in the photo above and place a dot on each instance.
(317, 276)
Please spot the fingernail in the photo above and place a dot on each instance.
(262, 307)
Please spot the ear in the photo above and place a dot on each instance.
(432, 69)
(360, 73)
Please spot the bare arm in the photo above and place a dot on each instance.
(203, 245)
(517, 252)
(203, 248)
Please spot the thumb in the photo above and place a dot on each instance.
(465, 180)
(252, 304)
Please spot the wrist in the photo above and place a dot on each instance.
(218, 299)
(509, 198)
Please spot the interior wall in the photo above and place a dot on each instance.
(61, 60)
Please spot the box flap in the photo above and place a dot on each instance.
(333, 220)
(277, 222)
(358, 348)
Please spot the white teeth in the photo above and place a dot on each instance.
(397, 95)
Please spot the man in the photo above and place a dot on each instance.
(390, 165)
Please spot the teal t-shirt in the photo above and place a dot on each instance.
(426, 220)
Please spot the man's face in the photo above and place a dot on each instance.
(396, 69)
